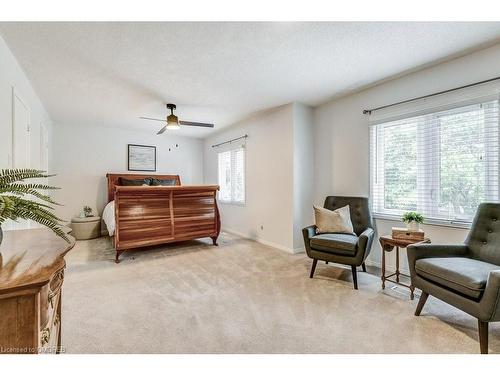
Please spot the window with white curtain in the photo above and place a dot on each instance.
(231, 165)
(442, 164)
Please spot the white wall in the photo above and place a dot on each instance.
(279, 176)
(83, 156)
(303, 172)
(341, 139)
(12, 76)
(269, 178)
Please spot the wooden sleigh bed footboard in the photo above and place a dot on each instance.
(153, 215)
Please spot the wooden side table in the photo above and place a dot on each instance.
(388, 243)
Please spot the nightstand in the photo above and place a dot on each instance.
(86, 228)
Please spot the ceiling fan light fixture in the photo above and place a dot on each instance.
(173, 122)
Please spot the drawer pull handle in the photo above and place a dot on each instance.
(45, 336)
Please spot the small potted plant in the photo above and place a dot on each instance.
(20, 200)
(413, 220)
(87, 211)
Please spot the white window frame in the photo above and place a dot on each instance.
(232, 201)
(377, 159)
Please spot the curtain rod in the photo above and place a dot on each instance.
(231, 140)
(369, 111)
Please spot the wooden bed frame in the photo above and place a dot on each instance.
(153, 215)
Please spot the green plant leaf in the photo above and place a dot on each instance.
(24, 204)
(29, 189)
(408, 217)
(14, 205)
(8, 176)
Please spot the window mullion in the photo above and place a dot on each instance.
(380, 169)
(423, 178)
(231, 174)
(491, 157)
(434, 162)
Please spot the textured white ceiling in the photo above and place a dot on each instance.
(109, 74)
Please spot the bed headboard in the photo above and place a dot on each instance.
(114, 179)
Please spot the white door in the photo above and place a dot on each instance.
(20, 143)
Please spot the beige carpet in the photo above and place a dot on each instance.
(244, 297)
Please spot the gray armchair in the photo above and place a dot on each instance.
(343, 248)
(466, 276)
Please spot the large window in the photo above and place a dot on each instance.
(232, 176)
(442, 164)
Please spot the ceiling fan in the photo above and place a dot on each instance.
(173, 121)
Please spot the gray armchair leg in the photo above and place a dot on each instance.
(483, 336)
(313, 267)
(354, 277)
(421, 303)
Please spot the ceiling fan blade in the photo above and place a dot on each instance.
(202, 124)
(162, 130)
(154, 119)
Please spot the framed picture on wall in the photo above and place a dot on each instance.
(141, 158)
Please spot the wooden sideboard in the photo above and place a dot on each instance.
(31, 277)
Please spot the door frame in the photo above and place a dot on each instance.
(16, 94)
(25, 224)
(44, 147)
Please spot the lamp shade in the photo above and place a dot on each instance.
(172, 122)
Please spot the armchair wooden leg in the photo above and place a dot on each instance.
(326, 262)
(421, 303)
(363, 266)
(354, 277)
(483, 336)
(313, 267)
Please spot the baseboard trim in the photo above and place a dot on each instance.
(262, 241)
(299, 250)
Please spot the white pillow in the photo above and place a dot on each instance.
(108, 215)
(338, 221)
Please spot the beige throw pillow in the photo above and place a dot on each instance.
(338, 221)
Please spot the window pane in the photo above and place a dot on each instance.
(239, 175)
(442, 164)
(400, 167)
(462, 167)
(232, 175)
(225, 176)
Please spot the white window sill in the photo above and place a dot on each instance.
(433, 222)
(229, 203)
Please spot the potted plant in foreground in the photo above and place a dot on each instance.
(20, 200)
(413, 220)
